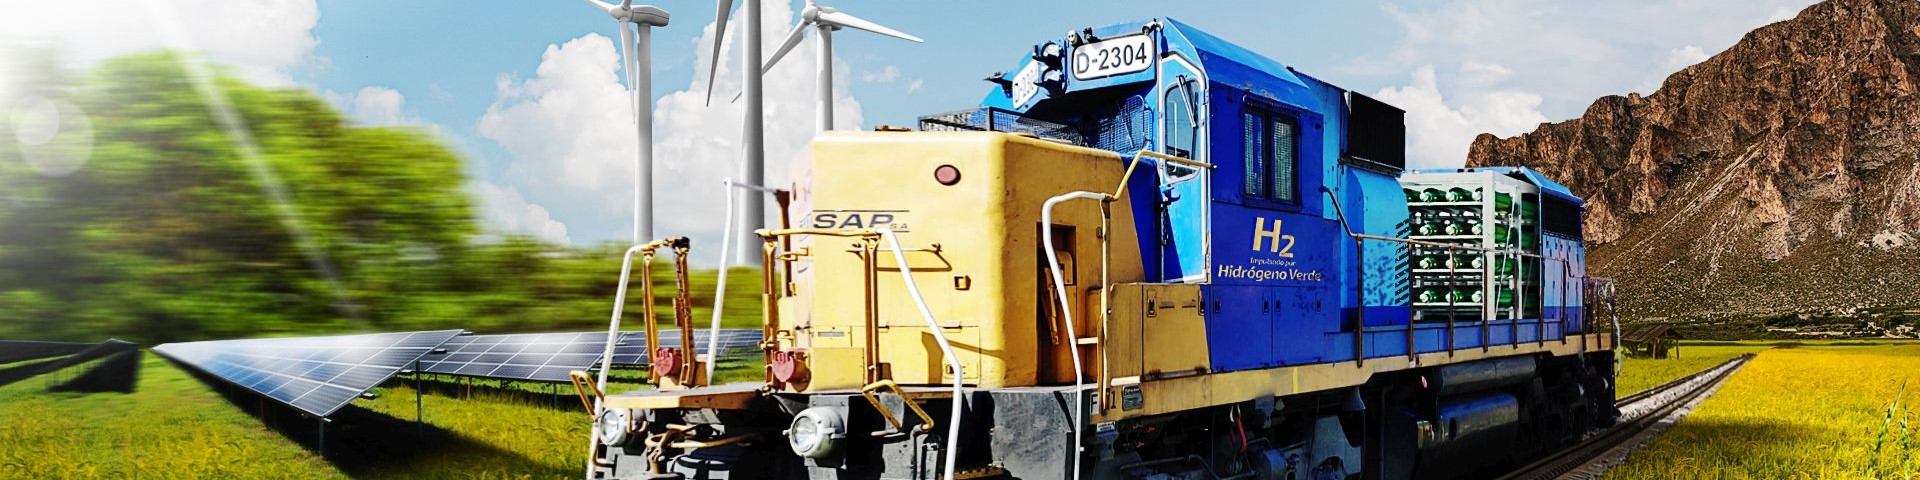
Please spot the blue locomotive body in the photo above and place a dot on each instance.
(1299, 166)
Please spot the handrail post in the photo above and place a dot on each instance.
(769, 310)
(1452, 309)
(683, 314)
(646, 314)
(1360, 290)
(1566, 274)
(870, 269)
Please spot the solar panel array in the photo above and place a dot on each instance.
(23, 350)
(28, 359)
(317, 375)
(632, 348)
(540, 357)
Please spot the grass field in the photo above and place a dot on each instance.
(1800, 410)
(1638, 374)
(177, 425)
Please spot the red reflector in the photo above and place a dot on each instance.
(946, 175)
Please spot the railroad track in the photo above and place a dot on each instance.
(1642, 415)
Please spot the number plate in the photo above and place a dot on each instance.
(1113, 56)
(1026, 84)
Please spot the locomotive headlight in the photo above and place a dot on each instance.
(612, 426)
(816, 432)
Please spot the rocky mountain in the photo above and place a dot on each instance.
(1778, 176)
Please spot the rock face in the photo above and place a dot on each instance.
(1780, 175)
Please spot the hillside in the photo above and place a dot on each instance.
(1777, 176)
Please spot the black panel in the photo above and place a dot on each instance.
(633, 345)
(1560, 216)
(531, 357)
(19, 350)
(1376, 132)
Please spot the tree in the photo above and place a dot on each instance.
(166, 234)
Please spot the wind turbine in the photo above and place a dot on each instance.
(636, 58)
(753, 171)
(827, 19)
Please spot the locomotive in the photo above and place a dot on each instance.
(1148, 253)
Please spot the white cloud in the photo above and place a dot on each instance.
(260, 39)
(1439, 133)
(570, 136)
(889, 74)
(915, 85)
(1511, 52)
(506, 210)
(1684, 57)
(372, 106)
(1483, 73)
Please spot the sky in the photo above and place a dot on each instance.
(531, 92)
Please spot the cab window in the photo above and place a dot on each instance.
(1271, 141)
(1183, 127)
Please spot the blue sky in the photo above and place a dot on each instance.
(529, 91)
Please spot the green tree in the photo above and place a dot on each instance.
(165, 234)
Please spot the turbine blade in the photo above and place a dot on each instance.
(793, 39)
(605, 7)
(719, 34)
(626, 4)
(850, 21)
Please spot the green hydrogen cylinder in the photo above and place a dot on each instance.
(1467, 262)
(1430, 262)
(1433, 195)
(1505, 297)
(1457, 194)
(1431, 295)
(1413, 196)
(1458, 227)
(1505, 266)
(1467, 295)
(1430, 228)
(1503, 202)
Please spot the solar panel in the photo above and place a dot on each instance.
(22, 350)
(92, 352)
(317, 375)
(40, 358)
(539, 357)
(632, 348)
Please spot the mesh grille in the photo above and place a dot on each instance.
(1126, 130)
(989, 119)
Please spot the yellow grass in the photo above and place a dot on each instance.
(1832, 410)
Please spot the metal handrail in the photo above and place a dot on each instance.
(869, 253)
(620, 303)
(1485, 285)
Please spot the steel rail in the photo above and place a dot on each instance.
(1599, 443)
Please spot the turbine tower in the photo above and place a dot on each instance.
(827, 20)
(636, 58)
(753, 171)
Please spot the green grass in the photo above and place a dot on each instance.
(177, 425)
(1637, 374)
(172, 424)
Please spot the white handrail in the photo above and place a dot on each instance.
(946, 349)
(1060, 289)
(720, 289)
(613, 325)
